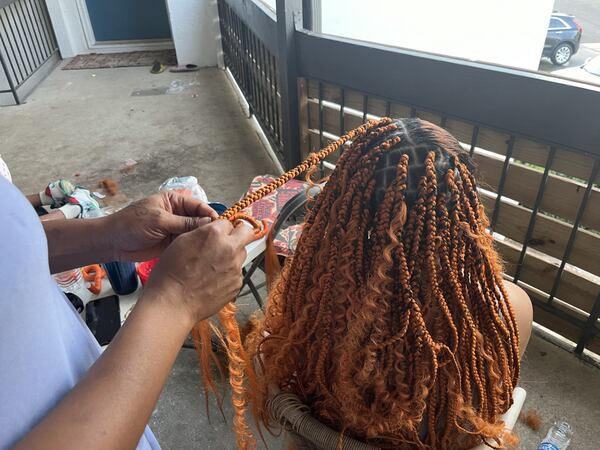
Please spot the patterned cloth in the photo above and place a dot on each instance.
(4, 172)
(269, 207)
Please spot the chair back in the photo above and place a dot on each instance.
(310, 434)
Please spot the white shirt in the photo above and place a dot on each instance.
(45, 348)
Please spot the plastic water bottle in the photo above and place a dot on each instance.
(70, 281)
(558, 437)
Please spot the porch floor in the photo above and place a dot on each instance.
(85, 125)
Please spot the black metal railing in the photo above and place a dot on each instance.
(27, 41)
(540, 163)
(254, 67)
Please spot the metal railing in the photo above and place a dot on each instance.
(539, 163)
(27, 41)
(254, 66)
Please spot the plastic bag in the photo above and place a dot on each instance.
(185, 185)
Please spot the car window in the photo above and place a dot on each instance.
(556, 24)
(593, 66)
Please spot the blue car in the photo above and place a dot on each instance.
(562, 40)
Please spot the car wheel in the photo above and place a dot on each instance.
(562, 54)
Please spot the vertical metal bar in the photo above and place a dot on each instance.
(224, 32)
(289, 18)
(9, 79)
(13, 45)
(21, 34)
(6, 46)
(574, 230)
(474, 137)
(589, 328)
(269, 78)
(231, 38)
(242, 46)
(342, 108)
(36, 25)
(252, 69)
(237, 50)
(365, 107)
(29, 34)
(242, 50)
(278, 100)
(321, 126)
(509, 150)
(255, 64)
(321, 140)
(267, 85)
(248, 55)
(252, 65)
(263, 87)
(48, 24)
(308, 117)
(44, 27)
(388, 108)
(536, 206)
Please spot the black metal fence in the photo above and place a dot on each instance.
(253, 64)
(27, 41)
(540, 164)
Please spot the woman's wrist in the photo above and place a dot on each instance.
(169, 299)
(102, 229)
(79, 242)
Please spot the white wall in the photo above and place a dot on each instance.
(193, 22)
(195, 28)
(67, 27)
(508, 32)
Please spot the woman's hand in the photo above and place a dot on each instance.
(197, 274)
(144, 229)
(201, 270)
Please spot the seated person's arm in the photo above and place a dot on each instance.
(196, 276)
(136, 233)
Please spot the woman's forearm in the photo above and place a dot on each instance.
(76, 243)
(111, 405)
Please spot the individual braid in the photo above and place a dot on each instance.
(391, 321)
(240, 367)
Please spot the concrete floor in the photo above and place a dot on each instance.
(85, 125)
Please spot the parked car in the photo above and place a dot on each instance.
(588, 72)
(562, 40)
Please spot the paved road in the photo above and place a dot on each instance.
(587, 13)
(578, 59)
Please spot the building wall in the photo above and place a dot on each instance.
(193, 23)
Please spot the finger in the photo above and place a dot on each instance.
(179, 224)
(183, 205)
(243, 234)
(222, 226)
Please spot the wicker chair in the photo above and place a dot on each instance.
(308, 433)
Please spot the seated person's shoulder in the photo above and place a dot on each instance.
(523, 309)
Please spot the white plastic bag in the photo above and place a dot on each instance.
(187, 185)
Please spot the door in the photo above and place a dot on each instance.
(128, 20)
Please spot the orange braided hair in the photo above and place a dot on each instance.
(240, 367)
(391, 321)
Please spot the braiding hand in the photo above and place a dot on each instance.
(145, 229)
(201, 270)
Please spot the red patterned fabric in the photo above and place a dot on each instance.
(269, 207)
